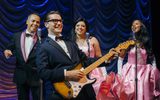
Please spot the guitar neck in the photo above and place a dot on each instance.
(107, 56)
(97, 63)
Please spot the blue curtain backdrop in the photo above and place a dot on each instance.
(109, 20)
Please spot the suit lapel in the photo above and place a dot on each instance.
(22, 44)
(53, 43)
(69, 48)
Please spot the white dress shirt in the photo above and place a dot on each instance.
(28, 44)
(61, 44)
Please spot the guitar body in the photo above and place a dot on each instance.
(71, 89)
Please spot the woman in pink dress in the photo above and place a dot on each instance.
(122, 86)
(90, 46)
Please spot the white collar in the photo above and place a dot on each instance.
(52, 36)
(29, 32)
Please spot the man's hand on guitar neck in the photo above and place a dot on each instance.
(114, 52)
(74, 75)
(121, 53)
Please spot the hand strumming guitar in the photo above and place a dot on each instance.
(74, 75)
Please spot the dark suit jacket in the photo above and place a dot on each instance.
(51, 62)
(26, 70)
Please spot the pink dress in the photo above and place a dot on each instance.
(98, 73)
(122, 86)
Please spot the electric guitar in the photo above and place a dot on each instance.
(71, 89)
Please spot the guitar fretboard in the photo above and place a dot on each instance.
(107, 56)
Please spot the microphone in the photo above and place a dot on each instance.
(133, 32)
(39, 34)
(87, 36)
(133, 36)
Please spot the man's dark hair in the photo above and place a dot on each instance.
(51, 12)
(32, 14)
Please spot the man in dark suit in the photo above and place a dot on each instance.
(55, 59)
(23, 46)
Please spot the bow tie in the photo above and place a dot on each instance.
(28, 35)
(59, 38)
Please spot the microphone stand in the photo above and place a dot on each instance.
(41, 81)
(136, 55)
(87, 40)
(88, 46)
(136, 79)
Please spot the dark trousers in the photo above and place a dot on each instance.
(24, 91)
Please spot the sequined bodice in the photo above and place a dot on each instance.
(84, 48)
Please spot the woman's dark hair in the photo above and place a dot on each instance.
(143, 37)
(73, 34)
(83, 20)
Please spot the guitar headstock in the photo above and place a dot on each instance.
(125, 45)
